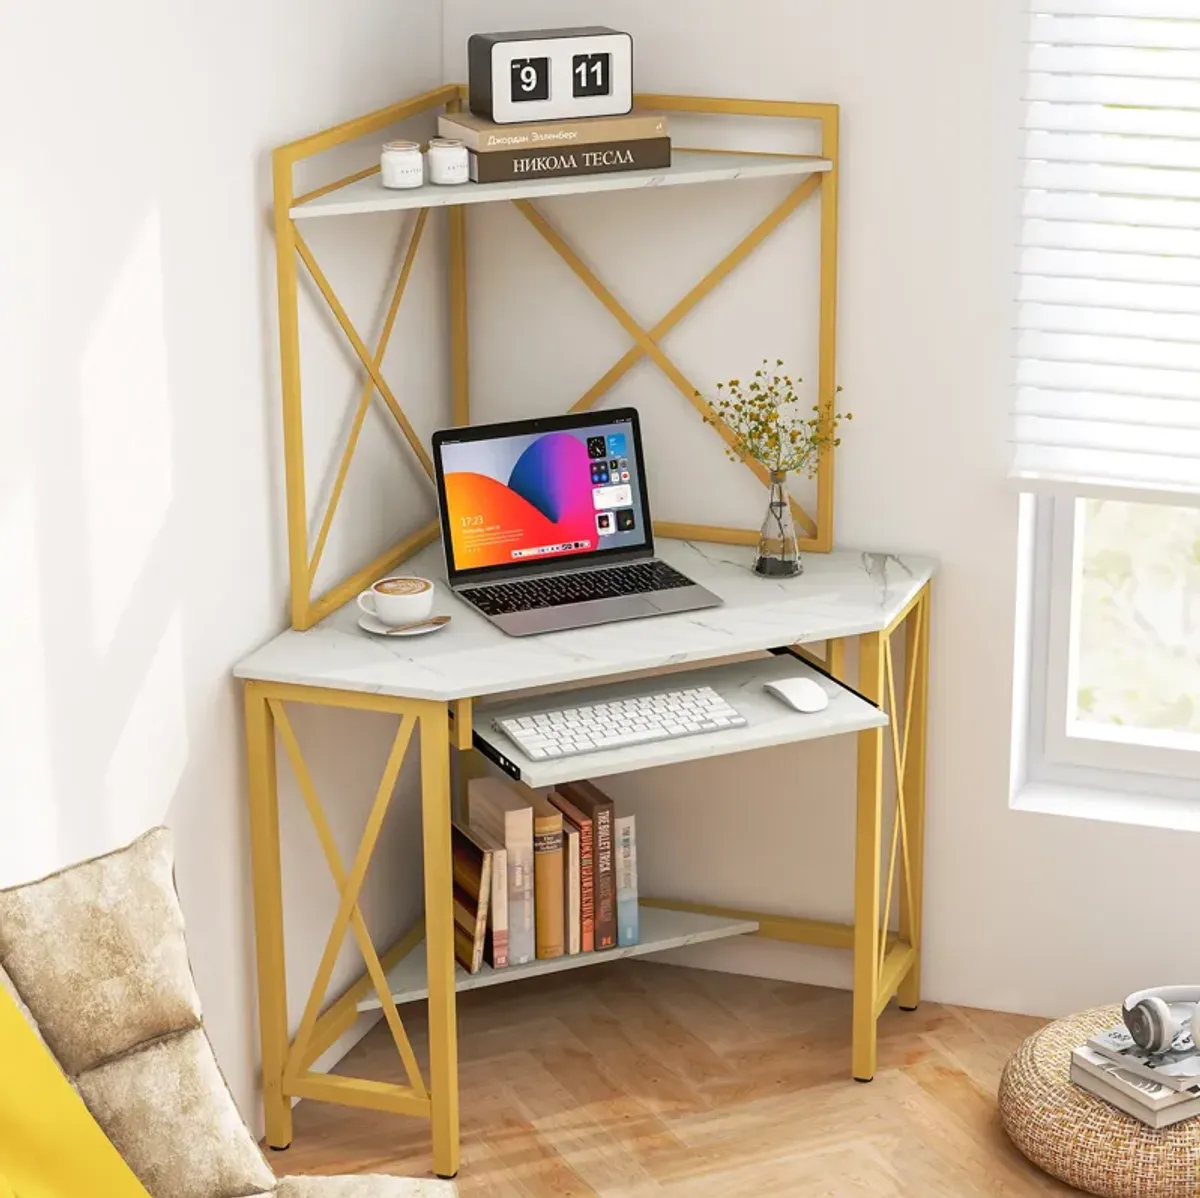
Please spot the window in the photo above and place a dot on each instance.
(1107, 407)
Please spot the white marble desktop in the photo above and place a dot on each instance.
(839, 594)
(768, 720)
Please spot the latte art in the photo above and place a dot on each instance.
(402, 586)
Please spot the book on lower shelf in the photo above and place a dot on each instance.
(625, 847)
(500, 809)
(571, 888)
(1178, 1068)
(576, 818)
(495, 950)
(471, 868)
(1145, 1099)
(598, 807)
(547, 877)
(554, 162)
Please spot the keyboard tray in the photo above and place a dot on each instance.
(769, 722)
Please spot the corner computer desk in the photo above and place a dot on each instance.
(445, 688)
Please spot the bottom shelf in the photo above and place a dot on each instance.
(659, 929)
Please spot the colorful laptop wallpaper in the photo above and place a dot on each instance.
(512, 500)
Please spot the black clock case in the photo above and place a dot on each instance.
(479, 59)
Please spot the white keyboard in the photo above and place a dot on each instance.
(591, 727)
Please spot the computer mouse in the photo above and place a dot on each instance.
(800, 694)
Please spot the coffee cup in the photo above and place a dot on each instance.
(398, 600)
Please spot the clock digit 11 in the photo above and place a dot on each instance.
(591, 75)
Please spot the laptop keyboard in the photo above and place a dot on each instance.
(558, 590)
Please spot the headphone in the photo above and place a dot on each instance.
(1155, 1017)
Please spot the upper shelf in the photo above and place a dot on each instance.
(687, 166)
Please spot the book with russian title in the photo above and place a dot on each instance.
(549, 162)
(481, 136)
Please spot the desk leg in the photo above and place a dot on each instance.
(439, 937)
(868, 845)
(268, 914)
(916, 642)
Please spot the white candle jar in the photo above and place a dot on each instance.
(401, 165)
(447, 161)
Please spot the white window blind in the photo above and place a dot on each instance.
(1108, 371)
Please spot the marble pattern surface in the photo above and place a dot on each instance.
(768, 720)
(658, 928)
(687, 167)
(839, 594)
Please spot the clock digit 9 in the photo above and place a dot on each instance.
(530, 80)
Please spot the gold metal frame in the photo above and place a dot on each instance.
(887, 963)
(303, 562)
(287, 1061)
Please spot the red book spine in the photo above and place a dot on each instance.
(587, 889)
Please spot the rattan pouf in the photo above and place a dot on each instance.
(1082, 1140)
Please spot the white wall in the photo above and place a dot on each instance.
(1024, 912)
(141, 537)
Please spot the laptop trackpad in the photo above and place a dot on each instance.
(575, 615)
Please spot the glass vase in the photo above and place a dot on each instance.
(778, 553)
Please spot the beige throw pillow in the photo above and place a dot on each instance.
(98, 953)
(169, 1114)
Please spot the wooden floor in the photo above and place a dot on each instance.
(646, 1080)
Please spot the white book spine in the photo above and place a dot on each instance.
(519, 842)
(625, 839)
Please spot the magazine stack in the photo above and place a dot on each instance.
(1160, 1089)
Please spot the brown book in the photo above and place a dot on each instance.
(547, 877)
(472, 872)
(554, 162)
(495, 951)
(485, 137)
(587, 884)
(595, 804)
(502, 810)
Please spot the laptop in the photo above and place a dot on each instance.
(546, 524)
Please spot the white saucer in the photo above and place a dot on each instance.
(375, 625)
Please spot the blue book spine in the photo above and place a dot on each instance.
(625, 839)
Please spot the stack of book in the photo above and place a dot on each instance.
(541, 874)
(638, 141)
(1157, 1088)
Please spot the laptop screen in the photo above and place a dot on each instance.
(531, 492)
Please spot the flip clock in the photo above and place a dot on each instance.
(550, 74)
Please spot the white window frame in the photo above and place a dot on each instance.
(1057, 749)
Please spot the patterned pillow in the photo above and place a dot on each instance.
(98, 953)
(168, 1112)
